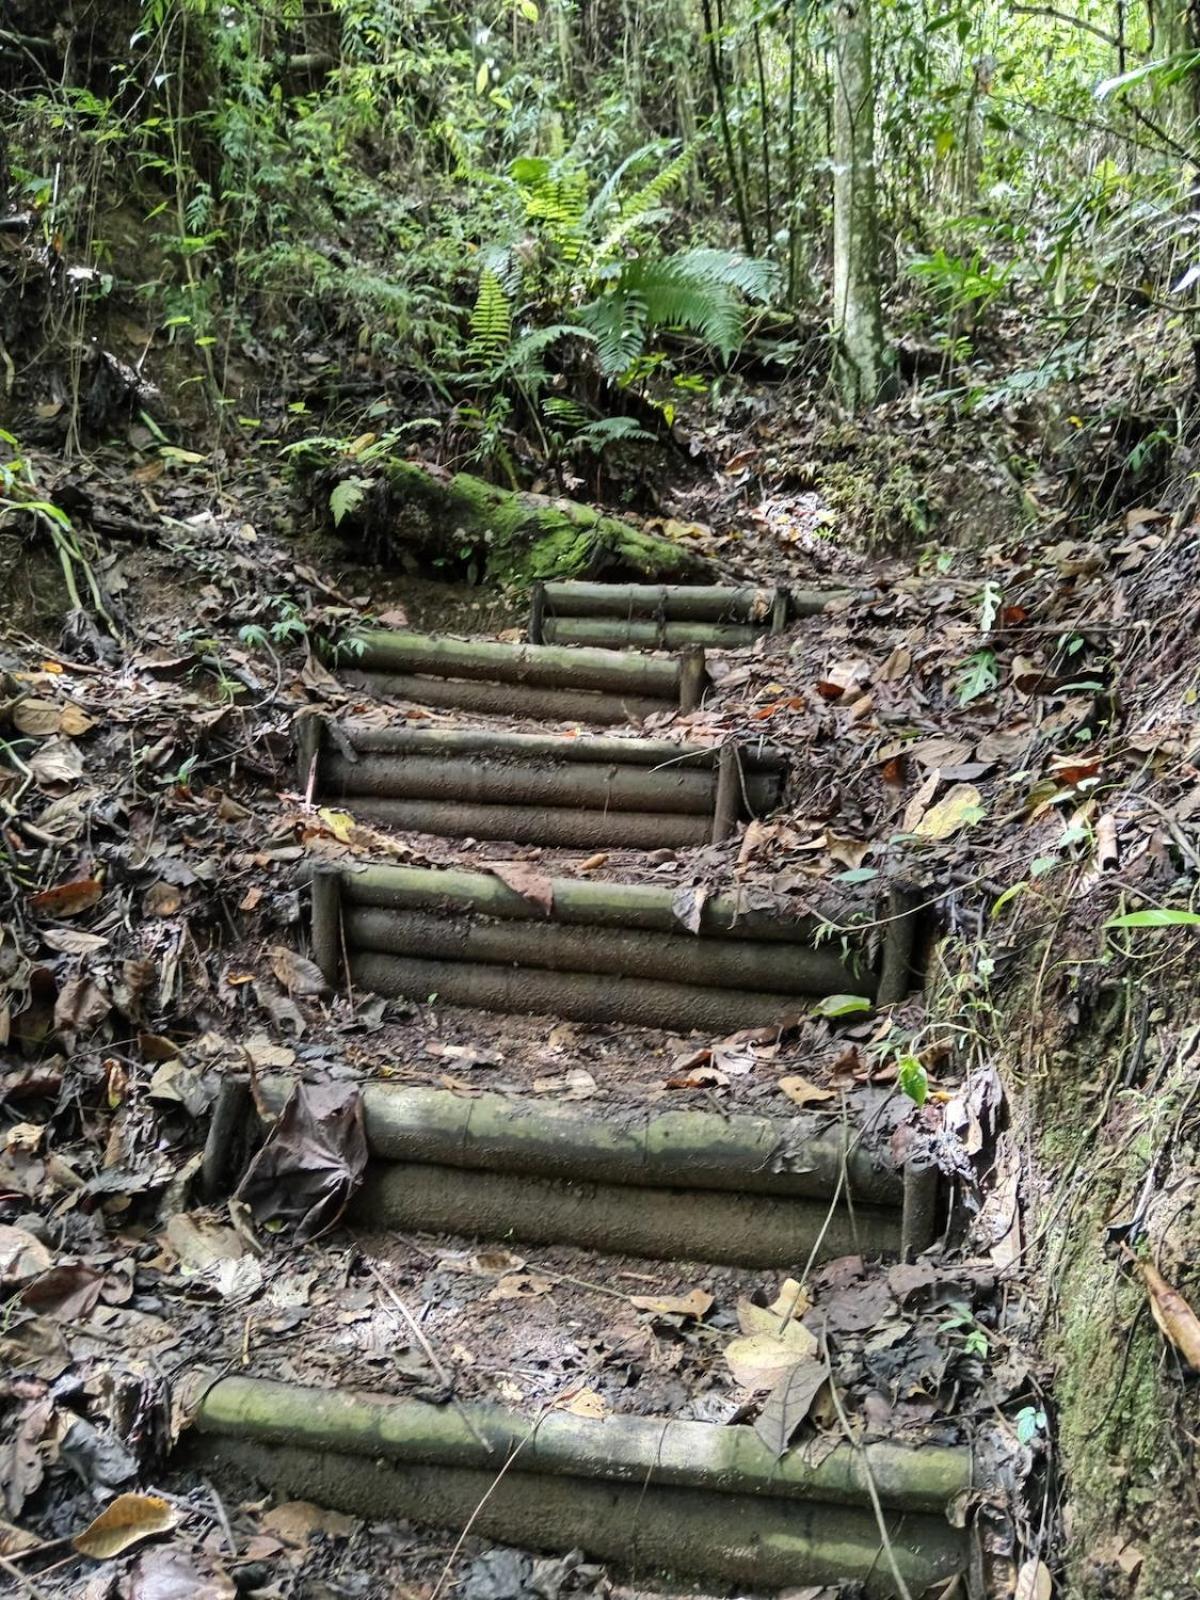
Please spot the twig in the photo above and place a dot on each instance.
(444, 1575)
(419, 1335)
(222, 1516)
(21, 1581)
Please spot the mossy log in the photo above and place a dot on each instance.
(665, 753)
(724, 1460)
(516, 537)
(601, 905)
(535, 666)
(661, 601)
(613, 634)
(800, 1155)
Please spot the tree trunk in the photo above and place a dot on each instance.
(857, 317)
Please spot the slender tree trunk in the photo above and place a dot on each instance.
(716, 72)
(857, 314)
(764, 118)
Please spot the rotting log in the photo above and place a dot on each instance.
(540, 825)
(612, 634)
(801, 1155)
(536, 666)
(513, 699)
(750, 1543)
(626, 752)
(517, 536)
(781, 968)
(571, 996)
(752, 1230)
(574, 900)
(503, 780)
(632, 1449)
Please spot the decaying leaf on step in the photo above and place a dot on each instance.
(128, 1519)
(803, 1093)
(530, 882)
(68, 899)
(312, 1163)
(789, 1403)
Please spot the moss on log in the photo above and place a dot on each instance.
(516, 537)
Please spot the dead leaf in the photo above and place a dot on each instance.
(38, 719)
(803, 1093)
(519, 1286)
(697, 1304)
(530, 882)
(760, 1360)
(295, 1522)
(959, 808)
(74, 721)
(592, 862)
(789, 1403)
(585, 1403)
(73, 941)
(81, 1006)
(296, 973)
(1033, 1581)
(68, 899)
(169, 1572)
(1175, 1318)
(688, 906)
(129, 1518)
(161, 900)
(312, 1163)
(58, 761)
(22, 1256)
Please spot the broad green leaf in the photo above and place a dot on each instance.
(913, 1080)
(1155, 917)
(528, 10)
(841, 1005)
(346, 497)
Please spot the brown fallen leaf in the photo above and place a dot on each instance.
(958, 808)
(519, 1286)
(37, 719)
(803, 1093)
(68, 899)
(1175, 1318)
(593, 862)
(128, 1519)
(585, 1403)
(297, 974)
(761, 1360)
(530, 882)
(789, 1404)
(697, 1304)
(161, 900)
(295, 1522)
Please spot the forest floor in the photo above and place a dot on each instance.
(1010, 730)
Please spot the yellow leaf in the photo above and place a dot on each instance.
(760, 1360)
(586, 1403)
(37, 718)
(74, 720)
(339, 823)
(958, 808)
(481, 78)
(129, 1518)
(803, 1093)
(1033, 1581)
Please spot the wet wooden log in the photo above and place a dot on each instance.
(402, 739)
(571, 996)
(495, 780)
(677, 958)
(612, 634)
(552, 827)
(799, 1155)
(671, 602)
(743, 1230)
(536, 666)
(513, 699)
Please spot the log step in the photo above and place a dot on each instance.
(739, 1190)
(646, 616)
(685, 1497)
(605, 793)
(598, 953)
(537, 681)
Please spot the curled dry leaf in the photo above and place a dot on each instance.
(297, 974)
(1175, 1318)
(130, 1518)
(961, 805)
(696, 1304)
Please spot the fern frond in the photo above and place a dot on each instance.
(619, 321)
(756, 279)
(639, 208)
(530, 346)
(491, 320)
(607, 430)
(555, 194)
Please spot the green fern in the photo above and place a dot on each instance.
(555, 195)
(491, 321)
(644, 206)
(700, 290)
